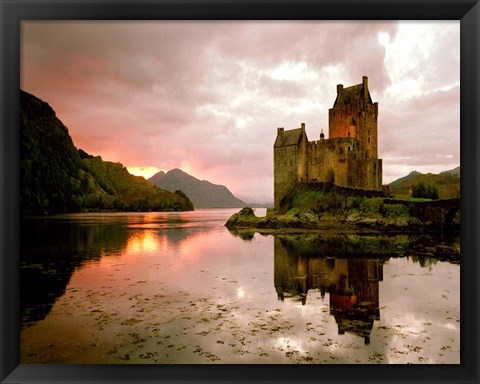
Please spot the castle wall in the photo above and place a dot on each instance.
(302, 159)
(285, 171)
(369, 128)
(365, 173)
(315, 160)
(332, 155)
(290, 165)
(346, 160)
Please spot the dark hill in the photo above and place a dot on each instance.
(48, 158)
(55, 176)
(203, 193)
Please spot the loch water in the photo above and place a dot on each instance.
(179, 287)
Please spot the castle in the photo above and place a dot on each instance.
(349, 157)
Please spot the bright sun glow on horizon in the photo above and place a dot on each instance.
(149, 171)
(146, 172)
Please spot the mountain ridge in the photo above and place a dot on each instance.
(452, 172)
(203, 193)
(404, 178)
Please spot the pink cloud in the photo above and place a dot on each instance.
(163, 94)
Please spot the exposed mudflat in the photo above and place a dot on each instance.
(148, 323)
(181, 327)
(196, 295)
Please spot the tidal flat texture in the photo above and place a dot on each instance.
(159, 288)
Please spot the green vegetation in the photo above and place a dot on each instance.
(119, 190)
(414, 199)
(425, 190)
(49, 160)
(329, 202)
(55, 176)
(447, 185)
(327, 209)
(244, 218)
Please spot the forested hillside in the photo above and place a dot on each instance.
(56, 177)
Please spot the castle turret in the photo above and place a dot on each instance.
(354, 115)
(365, 87)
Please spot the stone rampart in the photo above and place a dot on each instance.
(438, 213)
(320, 186)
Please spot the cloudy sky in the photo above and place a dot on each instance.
(207, 97)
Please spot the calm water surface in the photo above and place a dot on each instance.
(180, 288)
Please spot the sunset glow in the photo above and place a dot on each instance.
(143, 242)
(145, 172)
(207, 97)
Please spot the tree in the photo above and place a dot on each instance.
(423, 190)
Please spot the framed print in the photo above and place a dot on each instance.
(230, 191)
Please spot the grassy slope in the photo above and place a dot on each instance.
(448, 186)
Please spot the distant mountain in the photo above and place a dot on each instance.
(202, 193)
(452, 172)
(403, 179)
(260, 205)
(55, 176)
(448, 186)
(258, 202)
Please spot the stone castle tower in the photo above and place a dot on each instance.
(349, 157)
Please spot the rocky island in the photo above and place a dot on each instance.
(335, 183)
(330, 210)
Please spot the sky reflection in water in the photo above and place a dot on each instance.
(180, 288)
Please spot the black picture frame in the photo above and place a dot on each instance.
(13, 11)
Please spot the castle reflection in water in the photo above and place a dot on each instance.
(350, 276)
